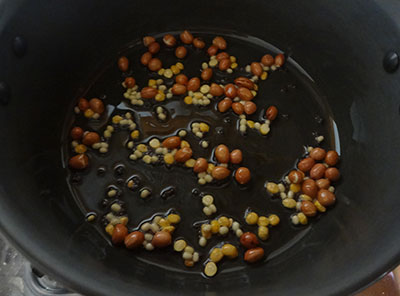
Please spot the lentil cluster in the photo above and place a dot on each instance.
(307, 189)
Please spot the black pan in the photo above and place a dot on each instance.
(62, 46)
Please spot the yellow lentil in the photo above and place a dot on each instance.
(216, 255)
(214, 226)
(160, 97)
(135, 134)
(89, 113)
(289, 203)
(302, 218)
(142, 148)
(169, 229)
(110, 229)
(169, 158)
(161, 71)
(188, 100)
(190, 163)
(263, 221)
(273, 219)
(204, 127)
(210, 269)
(272, 188)
(168, 73)
(152, 82)
(305, 197)
(175, 69)
(234, 65)
(229, 251)
(180, 66)
(163, 222)
(223, 221)
(185, 144)
(173, 218)
(320, 207)
(295, 187)
(180, 245)
(210, 168)
(250, 123)
(264, 75)
(263, 232)
(251, 218)
(124, 220)
(80, 149)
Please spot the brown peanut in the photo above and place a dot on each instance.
(148, 92)
(200, 165)
(178, 89)
(318, 154)
(244, 82)
(317, 171)
(254, 255)
(78, 162)
(193, 84)
(309, 188)
(224, 64)
(308, 208)
(76, 133)
(271, 113)
(130, 82)
(216, 90)
(236, 156)
(180, 52)
(230, 90)
(198, 43)
(134, 240)
(181, 79)
(222, 55)
(161, 239)
(279, 60)
(83, 104)
(323, 183)
(171, 142)
(222, 153)
(242, 175)
(212, 50)
(90, 138)
(154, 64)
(147, 40)
(123, 64)
(296, 177)
(326, 198)
(238, 108)
(145, 59)
(183, 154)
(250, 107)
(244, 94)
(220, 173)
(169, 40)
(268, 60)
(331, 158)
(206, 74)
(96, 105)
(154, 47)
(219, 42)
(249, 240)
(119, 234)
(224, 105)
(332, 174)
(306, 164)
(256, 68)
(186, 37)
